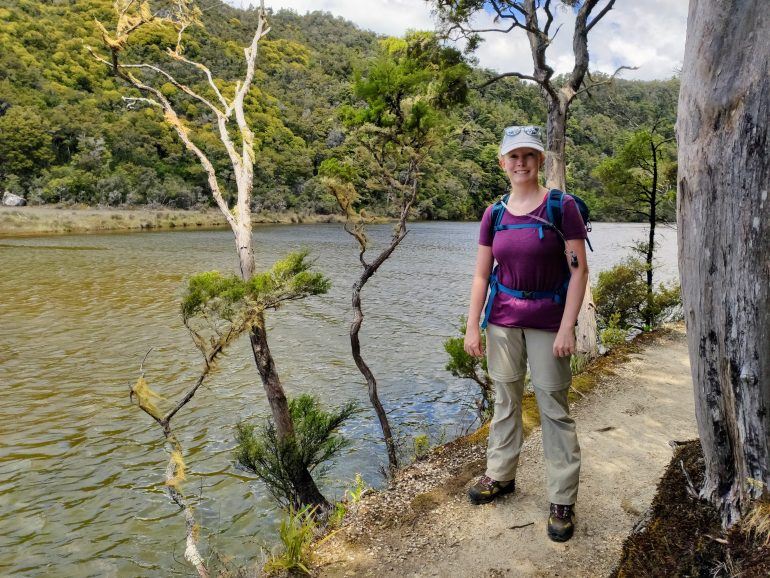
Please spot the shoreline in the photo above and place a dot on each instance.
(46, 220)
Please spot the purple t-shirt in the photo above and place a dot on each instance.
(528, 263)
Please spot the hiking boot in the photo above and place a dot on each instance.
(486, 489)
(561, 522)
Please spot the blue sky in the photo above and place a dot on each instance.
(649, 34)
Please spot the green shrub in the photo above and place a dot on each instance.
(315, 442)
(421, 445)
(613, 335)
(622, 292)
(355, 493)
(462, 365)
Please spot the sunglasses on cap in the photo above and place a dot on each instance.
(530, 130)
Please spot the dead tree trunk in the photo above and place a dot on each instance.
(130, 18)
(724, 243)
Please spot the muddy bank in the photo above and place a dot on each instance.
(36, 220)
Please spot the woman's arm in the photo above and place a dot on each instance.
(484, 261)
(564, 343)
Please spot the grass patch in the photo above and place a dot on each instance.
(298, 528)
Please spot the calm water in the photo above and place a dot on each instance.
(81, 470)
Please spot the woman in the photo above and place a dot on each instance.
(536, 292)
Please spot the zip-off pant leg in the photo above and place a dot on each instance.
(560, 446)
(506, 433)
(551, 378)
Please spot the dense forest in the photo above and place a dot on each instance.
(67, 136)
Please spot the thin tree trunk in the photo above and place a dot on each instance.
(371, 382)
(355, 327)
(724, 243)
(651, 238)
(556, 129)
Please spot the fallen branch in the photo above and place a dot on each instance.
(720, 540)
(580, 393)
(693, 493)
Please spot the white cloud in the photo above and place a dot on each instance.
(392, 17)
(649, 34)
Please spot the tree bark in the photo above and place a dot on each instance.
(371, 382)
(724, 243)
(303, 482)
(556, 130)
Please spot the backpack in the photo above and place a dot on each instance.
(554, 209)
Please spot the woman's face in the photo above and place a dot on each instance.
(521, 165)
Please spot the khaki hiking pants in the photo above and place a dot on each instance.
(508, 349)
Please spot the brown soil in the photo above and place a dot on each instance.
(423, 524)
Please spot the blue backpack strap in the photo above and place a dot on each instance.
(537, 226)
(498, 210)
(554, 207)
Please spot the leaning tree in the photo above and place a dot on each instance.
(724, 243)
(536, 19)
(223, 104)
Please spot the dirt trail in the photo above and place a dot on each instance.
(624, 427)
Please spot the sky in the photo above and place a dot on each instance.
(649, 34)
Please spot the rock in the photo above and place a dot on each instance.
(11, 200)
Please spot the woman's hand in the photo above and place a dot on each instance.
(472, 343)
(564, 344)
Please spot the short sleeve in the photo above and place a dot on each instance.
(572, 226)
(485, 231)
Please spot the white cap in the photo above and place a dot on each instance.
(516, 137)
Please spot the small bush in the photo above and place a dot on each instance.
(474, 368)
(613, 335)
(355, 493)
(622, 291)
(421, 445)
(315, 442)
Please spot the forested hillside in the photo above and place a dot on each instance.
(66, 134)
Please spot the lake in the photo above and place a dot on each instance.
(81, 469)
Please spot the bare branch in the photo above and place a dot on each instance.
(606, 81)
(207, 366)
(506, 75)
(480, 30)
(549, 18)
(131, 101)
(184, 88)
(511, 16)
(176, 55)
(580, 41)
(599, 16)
